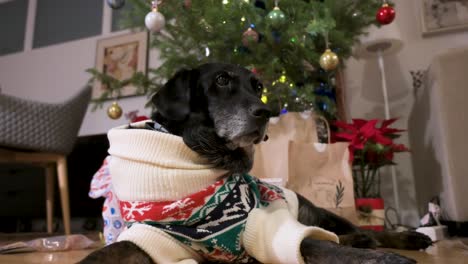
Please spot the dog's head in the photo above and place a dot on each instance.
(228, 96)
(221, 98)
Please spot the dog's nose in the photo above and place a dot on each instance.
(260, 111)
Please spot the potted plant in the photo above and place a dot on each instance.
(371, 147)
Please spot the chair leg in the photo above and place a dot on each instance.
(50, 197)
(63, 187)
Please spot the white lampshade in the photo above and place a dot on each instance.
(387, 39)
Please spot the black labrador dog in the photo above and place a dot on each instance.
(216, 109)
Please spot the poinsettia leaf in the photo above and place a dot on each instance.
(382, 139)
(368, 130)
(387, 122)
(357, 122)
(344, 136)
(357, 144)
(391, 130)
(399, 148)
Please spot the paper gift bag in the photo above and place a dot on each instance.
(271, 157)
(322, 174)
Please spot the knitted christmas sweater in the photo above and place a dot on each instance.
(179, 209)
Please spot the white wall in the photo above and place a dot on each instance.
(56, 72)
(364, 96)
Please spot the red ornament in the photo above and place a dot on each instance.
(386, 14)
(249, 36)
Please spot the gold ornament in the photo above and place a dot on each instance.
(114, 111)
(329, 60)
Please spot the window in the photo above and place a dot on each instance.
(59, 21)
(12, 26)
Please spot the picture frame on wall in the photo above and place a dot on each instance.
(443, 16)
(120, 57)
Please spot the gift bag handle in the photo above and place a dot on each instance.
(327, 126)
(327, 148)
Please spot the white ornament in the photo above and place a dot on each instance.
(155, 21)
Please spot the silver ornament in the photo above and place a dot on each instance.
(155, 21)
(115, 4)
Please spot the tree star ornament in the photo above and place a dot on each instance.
(154, 20)
(385, 15)
(329, 60)
(249, 36)
(115, 4)
(114, 111)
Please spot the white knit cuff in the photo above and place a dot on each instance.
(273, 235)
(286, 243)
(160, 246)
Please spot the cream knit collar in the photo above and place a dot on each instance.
(148, 165)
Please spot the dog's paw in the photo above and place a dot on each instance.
(326, 252)
(358, 240)
(413, 240)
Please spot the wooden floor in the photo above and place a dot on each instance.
(453, 251)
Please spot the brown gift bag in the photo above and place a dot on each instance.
(322, 174)
(271, 157)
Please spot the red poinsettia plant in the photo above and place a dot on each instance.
(371, 147)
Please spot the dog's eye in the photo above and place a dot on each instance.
(259, 88)
(222, 80)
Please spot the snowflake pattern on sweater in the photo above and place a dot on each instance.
(210, 221)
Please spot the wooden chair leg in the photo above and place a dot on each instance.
(63, 187)
(50, 180)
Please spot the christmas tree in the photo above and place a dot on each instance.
(281, 41)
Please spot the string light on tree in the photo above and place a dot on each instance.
(264, 96)
(386, 14)
(154, 20)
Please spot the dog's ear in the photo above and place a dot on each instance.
(172, 101)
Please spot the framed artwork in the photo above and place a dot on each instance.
(441, 16)
(120, 57)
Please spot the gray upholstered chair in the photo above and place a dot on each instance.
(44, 134)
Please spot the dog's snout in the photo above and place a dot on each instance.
(260, 111)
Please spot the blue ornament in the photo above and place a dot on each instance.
(115, 4)
(284, 111)
(276, 36)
